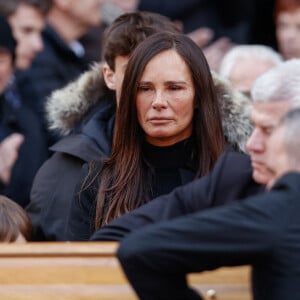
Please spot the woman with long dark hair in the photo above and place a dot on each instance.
(168, 131)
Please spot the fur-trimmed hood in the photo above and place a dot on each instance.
(235, 110)
(68, 106)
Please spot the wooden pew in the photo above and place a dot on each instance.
(80, 271)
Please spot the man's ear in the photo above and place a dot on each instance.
(109, 77)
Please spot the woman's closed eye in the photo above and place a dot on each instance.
(144, 88)
(175, 87)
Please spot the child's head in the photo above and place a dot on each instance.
(15, 224)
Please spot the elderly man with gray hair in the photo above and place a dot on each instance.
(243, 64)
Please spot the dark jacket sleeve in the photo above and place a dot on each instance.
(80, 225)
(262, 231)
(236, 234)
(51, 195)
(229, 180)
(54, 184)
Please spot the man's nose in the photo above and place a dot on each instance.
(256, 142)
(37, 43)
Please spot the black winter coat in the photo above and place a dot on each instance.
(53, 187)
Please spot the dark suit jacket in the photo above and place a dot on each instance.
(230, 180)
(262, 230)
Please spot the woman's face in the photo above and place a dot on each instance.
(288, 33)
(165, 99)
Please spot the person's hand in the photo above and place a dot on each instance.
(201, 36)
(215, 52)
(9, 151)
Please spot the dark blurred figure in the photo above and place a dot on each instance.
(27, 20)
(92, 43)
(10, 144)
(217, 25)
(63, 57)
(263, 26)
(18, 123)
(226, 18)
(110, 10)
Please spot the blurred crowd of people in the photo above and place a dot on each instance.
(83, 85)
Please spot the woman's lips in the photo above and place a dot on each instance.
(160, 120)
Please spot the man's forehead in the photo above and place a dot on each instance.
(26, 10)
(270, 110)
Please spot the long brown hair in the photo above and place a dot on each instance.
(124, 177)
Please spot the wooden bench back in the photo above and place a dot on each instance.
(69, 271)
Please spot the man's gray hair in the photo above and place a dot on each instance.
(281, 83)
(291, 125)
(255, 52)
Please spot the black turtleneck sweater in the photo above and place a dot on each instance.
(171, 166)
